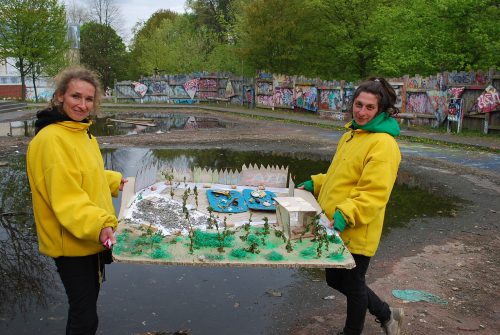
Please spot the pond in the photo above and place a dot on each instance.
(125, 124)
(142, 298)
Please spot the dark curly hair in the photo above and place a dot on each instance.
(384, 92)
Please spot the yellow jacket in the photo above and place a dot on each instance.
(71, 191)
(358, 183)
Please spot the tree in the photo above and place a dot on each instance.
(142, 32)
(106, 12)
(276, 36)
(436, 36)
(32, 33)
(216, 15)
(347, 31)
(145, 29)
(103, 50)
(77, 14)
(175, 46)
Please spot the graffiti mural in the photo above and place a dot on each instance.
(229, 92)
(306, 97)
(455, 109)
(432, 83)
(180, 92)
(438, 101)
(489, 100)
(191, 86)
(418, 102)
(160, 87)
(44, 93)
(203, 95)
(399, 97)
(331, 99)
(264, 100)
(264, 87)
(347, 99)
(283, 97)
(155, 98)
(207, 85)
(178, 79)
(468, 78)
(283, 81)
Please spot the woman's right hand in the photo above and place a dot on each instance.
(107, 234)
(122, 183)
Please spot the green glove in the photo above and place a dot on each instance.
(340, 222)
(308, 186)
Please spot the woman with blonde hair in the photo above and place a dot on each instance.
(71, 194)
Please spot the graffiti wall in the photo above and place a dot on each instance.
(306, 97)
(44, 93)
(468, 78)
(429, 83)
(182, 88)
(331, 99)
(438, 101)
(419, 95)
(264, 87)
(418, 102)
(348, 94)
(264, 100)
(283, 97)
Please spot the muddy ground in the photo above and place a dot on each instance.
(456, 258)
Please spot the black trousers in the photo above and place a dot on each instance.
(80, 277)
(351, 283)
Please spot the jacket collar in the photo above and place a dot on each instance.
(381, 123)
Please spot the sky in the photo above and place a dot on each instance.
(134, 11)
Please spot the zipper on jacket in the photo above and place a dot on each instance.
(352, 135)
(88, 133)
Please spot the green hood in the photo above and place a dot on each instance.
(381, 123)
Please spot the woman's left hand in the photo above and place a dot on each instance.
(122, 183)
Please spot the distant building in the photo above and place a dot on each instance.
(10, 81)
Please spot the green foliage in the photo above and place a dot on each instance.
(274, 256)
(160, 253)
(330, 39)
(276, 36)
(238, 253)
(175, 46)
(214, 257)
(337, 256)
(210, 240)
(436, 36)
(216, 15)
(103, 51)
(33, 34)
(308, 252)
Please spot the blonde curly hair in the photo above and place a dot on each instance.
(63, 79)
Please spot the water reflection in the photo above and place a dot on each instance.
(136, 161)
(17, 128)
(127, 124)
(124, 124)
(26, 276)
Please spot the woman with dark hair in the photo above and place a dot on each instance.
(354, 194)
(71, 194)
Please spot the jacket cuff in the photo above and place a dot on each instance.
(308, 186)
(340, 222)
